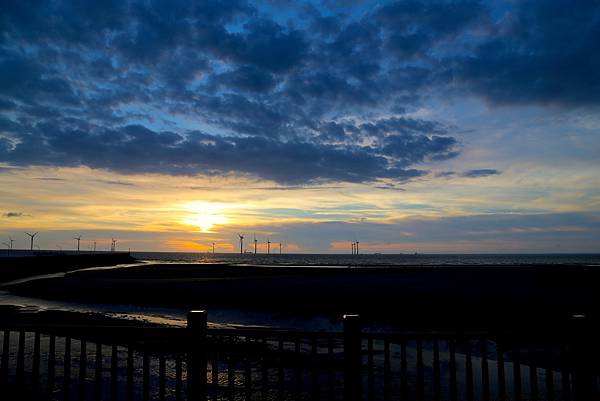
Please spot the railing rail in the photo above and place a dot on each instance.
(199, 363)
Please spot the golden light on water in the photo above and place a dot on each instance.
(205, 215)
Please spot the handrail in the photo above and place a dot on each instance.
(274, 332)
(571, 349)
(154, 331)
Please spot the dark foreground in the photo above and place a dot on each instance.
(59, 362)
(12, 268)
(423, 298)
(455, 332)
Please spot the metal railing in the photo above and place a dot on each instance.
(74, 362)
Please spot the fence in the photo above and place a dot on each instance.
(196, 363)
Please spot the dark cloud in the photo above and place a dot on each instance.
(304, 100)
(475, 173)
(113, 182)
(267, 45)
(416, 27)
(247, 78)
(542, 52)
(445, 174)
(411, 149)
(484, 172)
(14, 214)
(390, 187)
(298, 188)
(50, 179)
(136, 149)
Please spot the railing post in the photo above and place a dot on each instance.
(196, 355)
(584, 353)
(352, 358)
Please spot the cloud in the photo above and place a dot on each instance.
(475, 173)
(414, 27)
(497, 232)
(14, 214)
(445, 174)
(50, 179)
(298, 188)
(115, 182)
(484, 172)
(390, 187)
(542, 52)
(246, 78)
(136, 149)
(323, 98)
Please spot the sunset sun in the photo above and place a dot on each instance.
(205, 216)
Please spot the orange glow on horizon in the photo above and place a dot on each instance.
(192, 246)
(291, 248)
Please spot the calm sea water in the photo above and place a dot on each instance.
(347, 259)
(371, 259)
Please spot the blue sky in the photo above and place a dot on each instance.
(286, 117)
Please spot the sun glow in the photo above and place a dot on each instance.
(205, 215)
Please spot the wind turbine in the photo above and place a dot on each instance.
(32, 237)
(213, 244)
(94, 245)
(280, 248)
(241, 242)
(268, 246)
(9, 245)
(255, 241)
(78, 240)
(352, 247)
(7, 248)
(113, 245)
(357, 246)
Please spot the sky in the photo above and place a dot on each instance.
(455, 126)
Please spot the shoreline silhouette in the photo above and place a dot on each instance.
(417, 297)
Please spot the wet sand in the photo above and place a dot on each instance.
(413, 297)
(17, 315)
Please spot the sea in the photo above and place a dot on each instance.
(239, 318)
(416, 259)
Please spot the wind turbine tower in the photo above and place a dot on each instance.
(113, 245)
(94, 245)
(241, 242)
(280, 248)
(352, 247)
(32, 236)
(213, 245)
(357, 247)
(78, 241)
(255, 243)
(9, 245)
(268, 246)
